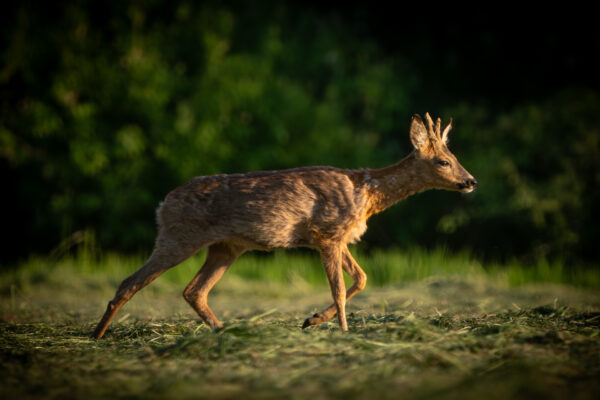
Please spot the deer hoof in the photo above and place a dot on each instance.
(306, 323)
(314, 320)
(96, 336)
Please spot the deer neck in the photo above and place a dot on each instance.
(389, 185)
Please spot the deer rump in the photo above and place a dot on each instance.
(267, 210)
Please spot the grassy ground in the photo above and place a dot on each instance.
(428, 325)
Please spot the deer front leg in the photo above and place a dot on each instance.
(220, 256)
(332, 261)
(360, 280)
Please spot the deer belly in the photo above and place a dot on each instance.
(270, 233)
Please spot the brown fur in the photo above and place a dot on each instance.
(324, 208)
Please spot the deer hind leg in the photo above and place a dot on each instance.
(220, 256)
(360, 280)
(332, 261)
(168, 253)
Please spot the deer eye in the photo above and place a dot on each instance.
(443, 163)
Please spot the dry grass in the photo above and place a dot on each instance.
(439, 337)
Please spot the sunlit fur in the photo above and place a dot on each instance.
(324, 208)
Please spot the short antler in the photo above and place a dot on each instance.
(435, 130)
(446, 130)
(429, 125)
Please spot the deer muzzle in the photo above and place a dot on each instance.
(468, 185)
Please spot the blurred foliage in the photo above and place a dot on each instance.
(106, 107)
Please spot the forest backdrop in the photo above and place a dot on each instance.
(107, 106)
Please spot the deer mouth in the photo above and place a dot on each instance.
(468, 186)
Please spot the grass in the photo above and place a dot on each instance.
(382, 267)
(429, 325)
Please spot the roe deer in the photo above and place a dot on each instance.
(320, 207)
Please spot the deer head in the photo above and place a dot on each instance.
(439, 168)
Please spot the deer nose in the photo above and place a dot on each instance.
(471, 182)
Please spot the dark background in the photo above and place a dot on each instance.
(107, 106)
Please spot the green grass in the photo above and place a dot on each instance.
(382, 268)
(428, 325)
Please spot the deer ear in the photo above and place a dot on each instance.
(446, 130)
(418, 132)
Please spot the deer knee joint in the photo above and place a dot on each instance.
(361, 281)
(188, 295)
(191, 296)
